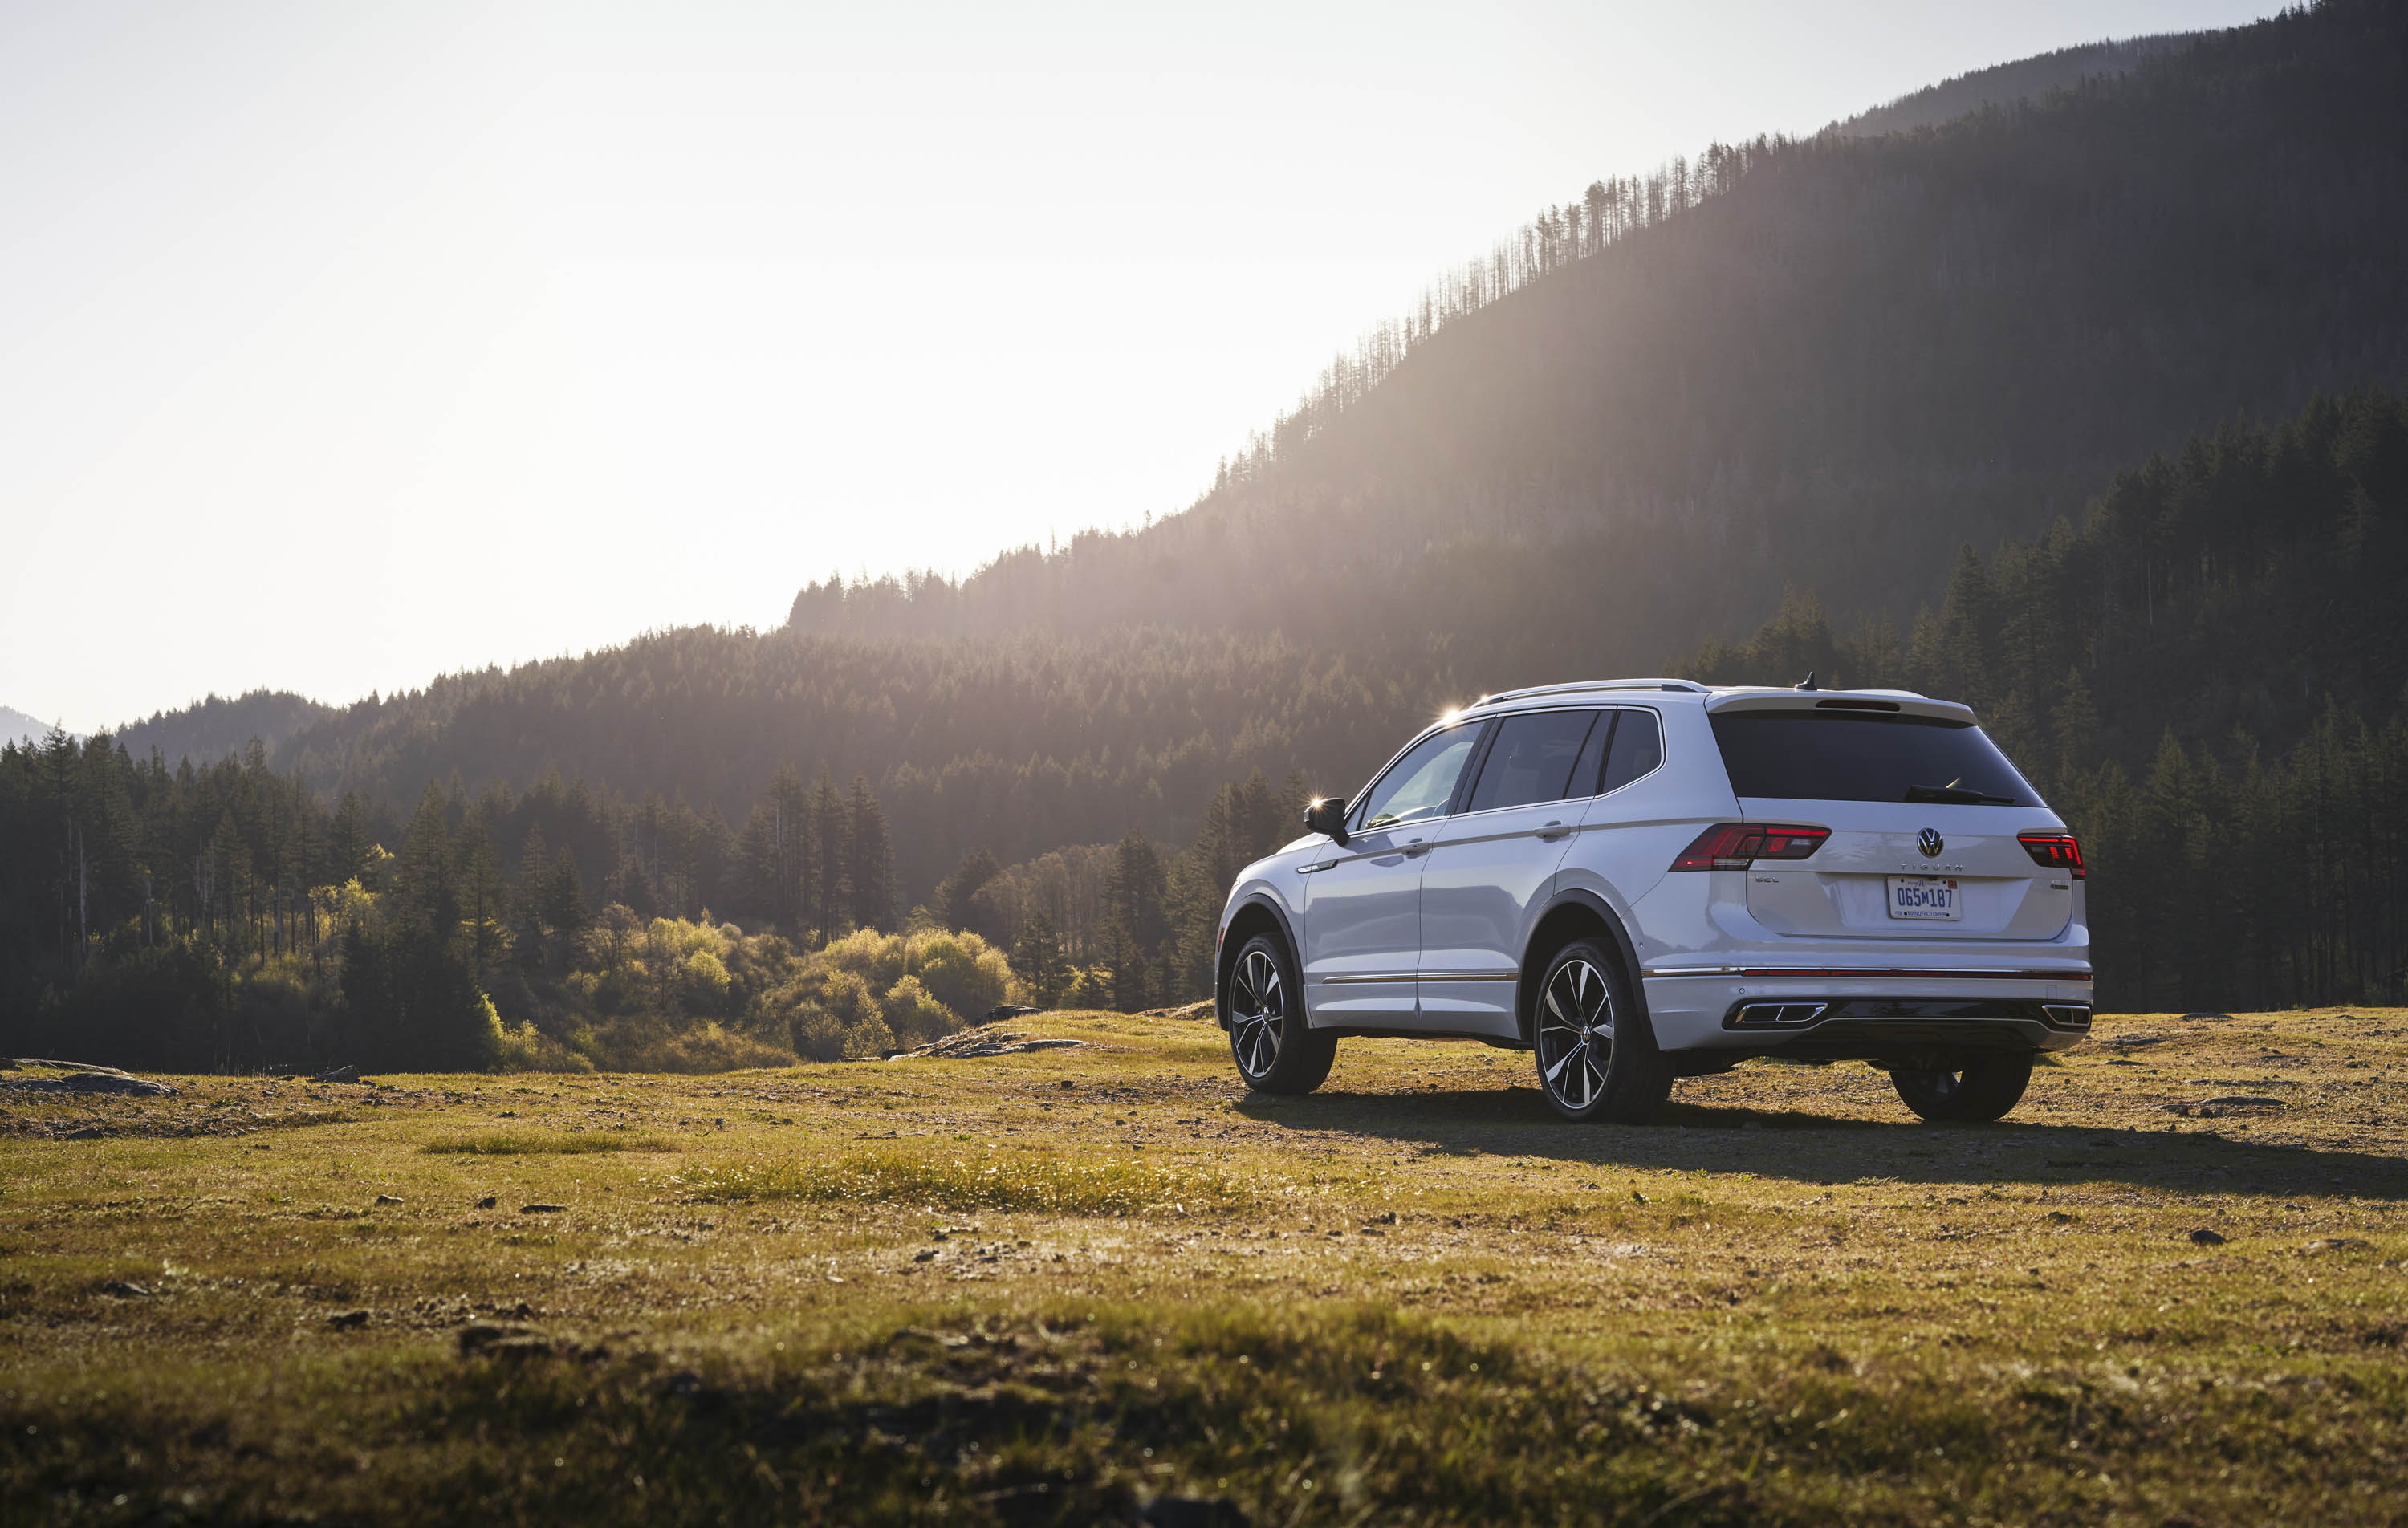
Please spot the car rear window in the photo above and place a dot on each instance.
(1859, 756)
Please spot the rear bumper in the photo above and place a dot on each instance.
(1870, 1013)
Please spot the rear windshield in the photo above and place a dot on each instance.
(1856, 756)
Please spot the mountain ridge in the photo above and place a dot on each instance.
(15, 725)
(1838, 370)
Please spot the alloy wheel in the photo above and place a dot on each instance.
(1575, 1034)
(1257, 1012)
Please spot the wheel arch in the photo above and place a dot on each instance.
(1259, 913)
(1572, 915)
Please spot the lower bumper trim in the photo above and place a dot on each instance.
(1869, 973)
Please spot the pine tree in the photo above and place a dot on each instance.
(869, 859)
(349, 838)
(485, 896)
(530, 937)
(1136, 926)
(2077, 728)
(425, 888)
(956, 893)
(564, 901)
(832, 895)
(1037, 957)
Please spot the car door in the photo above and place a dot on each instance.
(1491, 862)
(1362, 899)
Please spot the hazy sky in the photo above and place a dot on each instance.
(341, 345)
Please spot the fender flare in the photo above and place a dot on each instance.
(1221, 960)
(1578, 896)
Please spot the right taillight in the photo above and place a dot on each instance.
(1735, 846)
(2054, 851)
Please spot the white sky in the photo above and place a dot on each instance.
(341, 345)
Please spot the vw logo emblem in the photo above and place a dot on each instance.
(1931, 843)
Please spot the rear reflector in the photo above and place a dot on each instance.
(1735, 846)
(2055, 851)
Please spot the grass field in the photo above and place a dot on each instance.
(1103, 1284)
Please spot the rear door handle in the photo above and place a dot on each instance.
(1553, 831)
(1416, 850)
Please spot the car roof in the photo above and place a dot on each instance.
(1742, 697)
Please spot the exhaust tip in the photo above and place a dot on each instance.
(1777, 1015)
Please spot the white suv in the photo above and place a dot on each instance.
(1641, 880)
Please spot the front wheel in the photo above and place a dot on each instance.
(1974, 1093)
(1276, 1051)
(1597, 1053)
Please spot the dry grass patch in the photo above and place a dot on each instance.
(525, 1143)
(1037, 1183)
(1056, 1287)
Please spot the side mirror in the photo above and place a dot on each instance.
(1328, 815)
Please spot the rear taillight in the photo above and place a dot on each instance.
(1735, 846)
(2054, 850)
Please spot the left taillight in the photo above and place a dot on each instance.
(1735, 846)
(2054, 851)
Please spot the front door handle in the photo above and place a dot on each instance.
(1553, 831)
(1416, 850)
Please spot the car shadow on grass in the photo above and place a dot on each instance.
(1827, 1149)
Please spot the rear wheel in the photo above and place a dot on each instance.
(1276, 1051)
(1597, 1053)
(1974, 1093)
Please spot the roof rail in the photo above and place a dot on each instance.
(1678, 686)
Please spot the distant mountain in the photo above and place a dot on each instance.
(16, 726)
(2009, 84)
(215, 726)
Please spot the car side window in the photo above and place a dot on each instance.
(1588, 773)
(1419, 786)
(1532, 759)
(1637, 749)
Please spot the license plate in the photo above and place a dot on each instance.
(1932, 898)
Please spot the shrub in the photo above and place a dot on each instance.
(915, 1016)
(819, 1033)
(962, 971)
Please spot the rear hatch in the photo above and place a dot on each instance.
(1924, 814)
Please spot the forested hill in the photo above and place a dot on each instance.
(2205, 678)
(217, 726)
(1830, 362)
(2033, 78)
(1827, 364)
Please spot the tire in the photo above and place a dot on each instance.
(1584, 1003)
(1978, 1092)
(1275, 1049)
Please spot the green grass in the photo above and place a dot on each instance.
(1047, 1184)
(960, 1291)
(513, 1143)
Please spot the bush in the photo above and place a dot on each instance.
(819, 1034)
(961, 971)
(868, 1041)
(524, 1048)
(914, 1016)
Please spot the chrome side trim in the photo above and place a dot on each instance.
(1884, 972)
(1471, 976)
(1367, 980)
